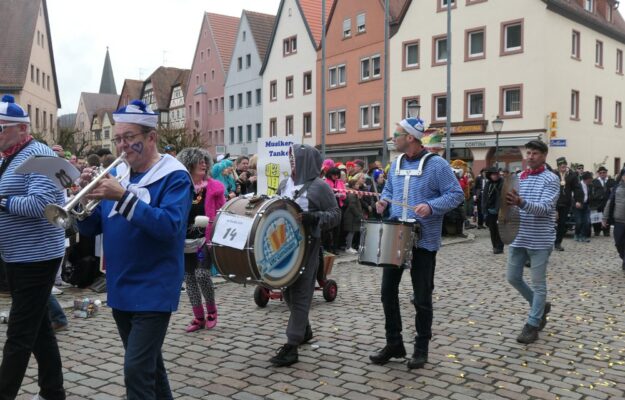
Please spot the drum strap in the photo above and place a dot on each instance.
(409, 173)
(303, 189)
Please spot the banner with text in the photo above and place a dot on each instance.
(273, 164)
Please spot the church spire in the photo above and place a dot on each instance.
(107, 85)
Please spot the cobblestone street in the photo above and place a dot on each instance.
(474, 354)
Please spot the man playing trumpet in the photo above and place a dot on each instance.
(144, 221)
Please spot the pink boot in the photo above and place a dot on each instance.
(198, 322)
(211, 315)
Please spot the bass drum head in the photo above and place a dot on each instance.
(279, 244)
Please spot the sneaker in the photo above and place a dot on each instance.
(308, 335)
(528, 335)
(543, 320)
(196, 325)
(418, 360)
(56, 290)
(286, 355)
(559, 247)
(389, 351)
(351, 251)
(211, 320)
(61, 283)
(497, 251)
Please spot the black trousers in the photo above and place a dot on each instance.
(422, 275)
(597, 228)
(30, 331)
(563, 213)
(480, 212)
(495, 239)
(619, 240)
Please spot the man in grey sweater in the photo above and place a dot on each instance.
(614, 213)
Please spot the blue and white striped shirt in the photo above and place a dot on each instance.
(540, 194)
(438, 187)
(25, 234)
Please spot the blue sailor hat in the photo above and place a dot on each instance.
(413, 126)
(137, 112)
(10, 111)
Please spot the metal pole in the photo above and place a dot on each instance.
(323, 78)
(448, 99)
(497, 149)
(385, 101)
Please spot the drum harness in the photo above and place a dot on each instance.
(408, 173)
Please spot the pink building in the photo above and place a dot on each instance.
(204, 99)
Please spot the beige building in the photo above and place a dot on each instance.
(27, 69)
(550, 69)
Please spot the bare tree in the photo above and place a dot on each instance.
(180, 139)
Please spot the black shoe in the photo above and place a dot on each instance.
(308, 335)
(481, 227)
(559, 247)
(528, 335)
(606, 234)
(388, 352)
(597, 233)
(418, 360)
(543, 320)
(286, 356)
(497, 251)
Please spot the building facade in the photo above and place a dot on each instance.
(243, 89)
(550, 69)
(157, 90)
(176, 106)
(289, 71)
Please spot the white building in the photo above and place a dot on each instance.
(524, 61)
(243, 89)
(176, 106)
(289, 71)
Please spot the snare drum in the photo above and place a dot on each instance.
(386, 243)
(274, 250)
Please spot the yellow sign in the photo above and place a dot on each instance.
(553, 125)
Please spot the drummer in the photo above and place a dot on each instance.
(321, 212)
(425, 182)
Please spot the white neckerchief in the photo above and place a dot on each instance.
(289, 191)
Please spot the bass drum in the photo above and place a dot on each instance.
(274, 251)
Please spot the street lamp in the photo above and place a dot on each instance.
(497, 126)
(413, 109)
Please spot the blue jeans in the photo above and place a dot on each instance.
(55, 311)
(142, 334)
(536, 296)
(582, 221)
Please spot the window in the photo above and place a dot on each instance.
(474, 44)
(332, 121)
(608, 12)
(201, 56)
(45, 121)
(474, 104)
(197, 79)
(32, 73)
(231, 98)
(598, 109)
(336, 121)
(619, 61)
(375, 66)
(511, 37)
(341, 118)
(294, 44)
(48, 82)
(341, 72)
(244, 35)
(248, 98)
(258, 97)
(43, 79)
(307, 82)
(259, 131)
(273, 127)
(240, 100)
(107, 132)
(289, 45)
(240, 134)
(289, 125)
(221, 103)
(208, 53)
(364, 117)
(365, 69)
(249, 133)
(197, 108)
(575, 53)
(210, 106)
(332, 77)
(599, 54)
(575, 104)
(589, 5)
(37, 118)
(239, 63)
(511, 101)
(273, 91)
(37, 76)
(289, 86)
(441, 5)
(361, 23)
(411, 55)
(307, 124)
(617, 114)
(347, 27)
(375, 115)
(337, 76)
(439, 50)
(439, 107)
(248, 60)
(213, 74)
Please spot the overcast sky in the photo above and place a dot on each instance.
(141, 34)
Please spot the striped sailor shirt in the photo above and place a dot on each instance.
(539, 194)
(438, 187)
(25, 234)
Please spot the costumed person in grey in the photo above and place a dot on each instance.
(320, 212)
(615, 215)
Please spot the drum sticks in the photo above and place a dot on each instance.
(397, 203)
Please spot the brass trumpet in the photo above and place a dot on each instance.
(64, 217)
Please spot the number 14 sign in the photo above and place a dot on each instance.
(232, 230)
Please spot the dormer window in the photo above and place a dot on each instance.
(589, 5)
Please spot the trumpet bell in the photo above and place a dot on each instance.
(58, 216)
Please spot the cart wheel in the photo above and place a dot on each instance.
(261, 296)
(329, 290)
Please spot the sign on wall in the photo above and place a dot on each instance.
(273, 164)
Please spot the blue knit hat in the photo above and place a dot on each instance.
(413, 126)
(9, 111)
(137, 112)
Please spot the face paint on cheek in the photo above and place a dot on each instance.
(137, 147)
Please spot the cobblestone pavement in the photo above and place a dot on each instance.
(474, 354)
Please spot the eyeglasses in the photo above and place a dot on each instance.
(125, 138)
(4, 126)
(398, 134)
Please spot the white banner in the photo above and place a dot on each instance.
(595, 217)
(273, 164)
(232, 230)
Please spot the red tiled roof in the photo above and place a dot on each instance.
(575, 10)
(261, 26)
(224, 32)
(312, 15)
(132, 89)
